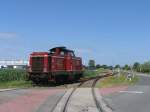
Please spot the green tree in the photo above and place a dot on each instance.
(117, 66)
(126, 67)
(145, 67)
(91, 64)
(98, 66)
(110, 67)
(136, 66)
(85, 67)
(104, 66)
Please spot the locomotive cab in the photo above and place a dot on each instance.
(62, 51)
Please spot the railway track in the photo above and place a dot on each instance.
(91, 83)
(86, 82)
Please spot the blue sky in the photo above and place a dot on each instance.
(109, 31)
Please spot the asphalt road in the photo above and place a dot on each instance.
(134, 99)
(30, 100)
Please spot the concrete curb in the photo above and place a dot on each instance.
(11, 89)
(2, 90)
(102, 104)
(60, 106)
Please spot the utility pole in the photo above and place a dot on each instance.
(132, 71)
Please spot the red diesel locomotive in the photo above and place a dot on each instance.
(59, 65)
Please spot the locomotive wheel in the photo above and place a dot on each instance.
(57, 79)
(78, 76)
(36, 80)
(61, 79)
(65, 78)
(44, 81)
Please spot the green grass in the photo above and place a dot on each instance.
(89, 73)
(115, 81)
(102, 70)
(16, 84)
(92, 73)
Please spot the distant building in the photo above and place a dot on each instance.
(14, 64)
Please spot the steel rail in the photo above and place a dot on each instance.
(66, 103)
(98, 105)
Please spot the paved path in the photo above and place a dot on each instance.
(134, 99)
(30, 100)
(82, 101)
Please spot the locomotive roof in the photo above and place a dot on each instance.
(61, 48)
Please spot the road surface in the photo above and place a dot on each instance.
(135, 99)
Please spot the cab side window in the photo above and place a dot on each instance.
(72, 54)
(62, 53)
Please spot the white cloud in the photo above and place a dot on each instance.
(8, 35)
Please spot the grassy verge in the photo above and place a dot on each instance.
(102, 70)
(116, 81)
(16, 84)
(14, 78)
(89, 73)
(92, 73)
